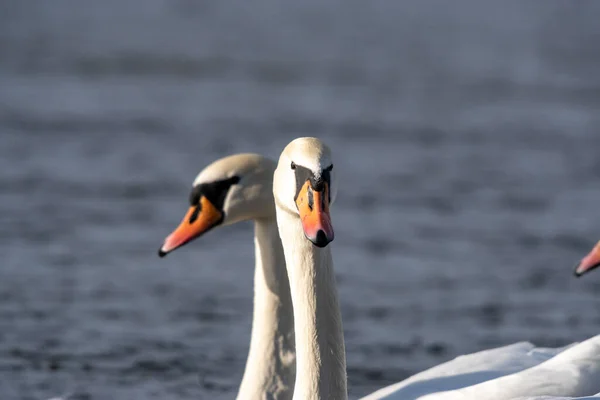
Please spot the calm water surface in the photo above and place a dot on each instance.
(466, 137)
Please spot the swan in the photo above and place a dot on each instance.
(304, 188)
(233, 189)
(587, 263)
(573, 370)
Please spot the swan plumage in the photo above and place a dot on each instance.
(467, 370)
(596, 396)
(573, 372)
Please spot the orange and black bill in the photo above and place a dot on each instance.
(200, 218)
(313, 206)
(589, 262)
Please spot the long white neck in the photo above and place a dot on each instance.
(320, 352)
(270, 367)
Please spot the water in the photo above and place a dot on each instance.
(465, 136)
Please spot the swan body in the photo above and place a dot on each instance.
(573, 372)
(239, 188)
(596, 396)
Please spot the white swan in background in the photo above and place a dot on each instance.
(588, 263)
(304, 188)
(229, 190)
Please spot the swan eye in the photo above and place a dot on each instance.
(329, 168)
(293, 166)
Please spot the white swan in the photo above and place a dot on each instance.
(229, 190)
(588, 263)
(573, 372)
(304, 188)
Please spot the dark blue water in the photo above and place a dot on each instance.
(466, 137)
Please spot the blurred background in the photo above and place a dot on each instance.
(465, 135)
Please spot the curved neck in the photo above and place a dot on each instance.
(270, 367)
(320, 352)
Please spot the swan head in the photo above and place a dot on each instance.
(230, 190)
(589, 262)
(304, 184)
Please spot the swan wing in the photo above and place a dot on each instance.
(468, 370)
(573, 372)
(596, 396)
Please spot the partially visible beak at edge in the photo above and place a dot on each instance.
(589, 262)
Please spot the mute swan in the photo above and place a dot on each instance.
(233, 189)
(570, 371)
(588, 263)
(304, 188)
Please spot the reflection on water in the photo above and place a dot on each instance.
(466, 140)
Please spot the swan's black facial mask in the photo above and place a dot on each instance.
(205, 212)
(312, 200)
(304, 174)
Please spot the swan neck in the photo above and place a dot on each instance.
(270, 367)
(320, 352)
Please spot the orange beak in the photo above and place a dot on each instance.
(199, 219)
(589, 262)
(313, 207)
